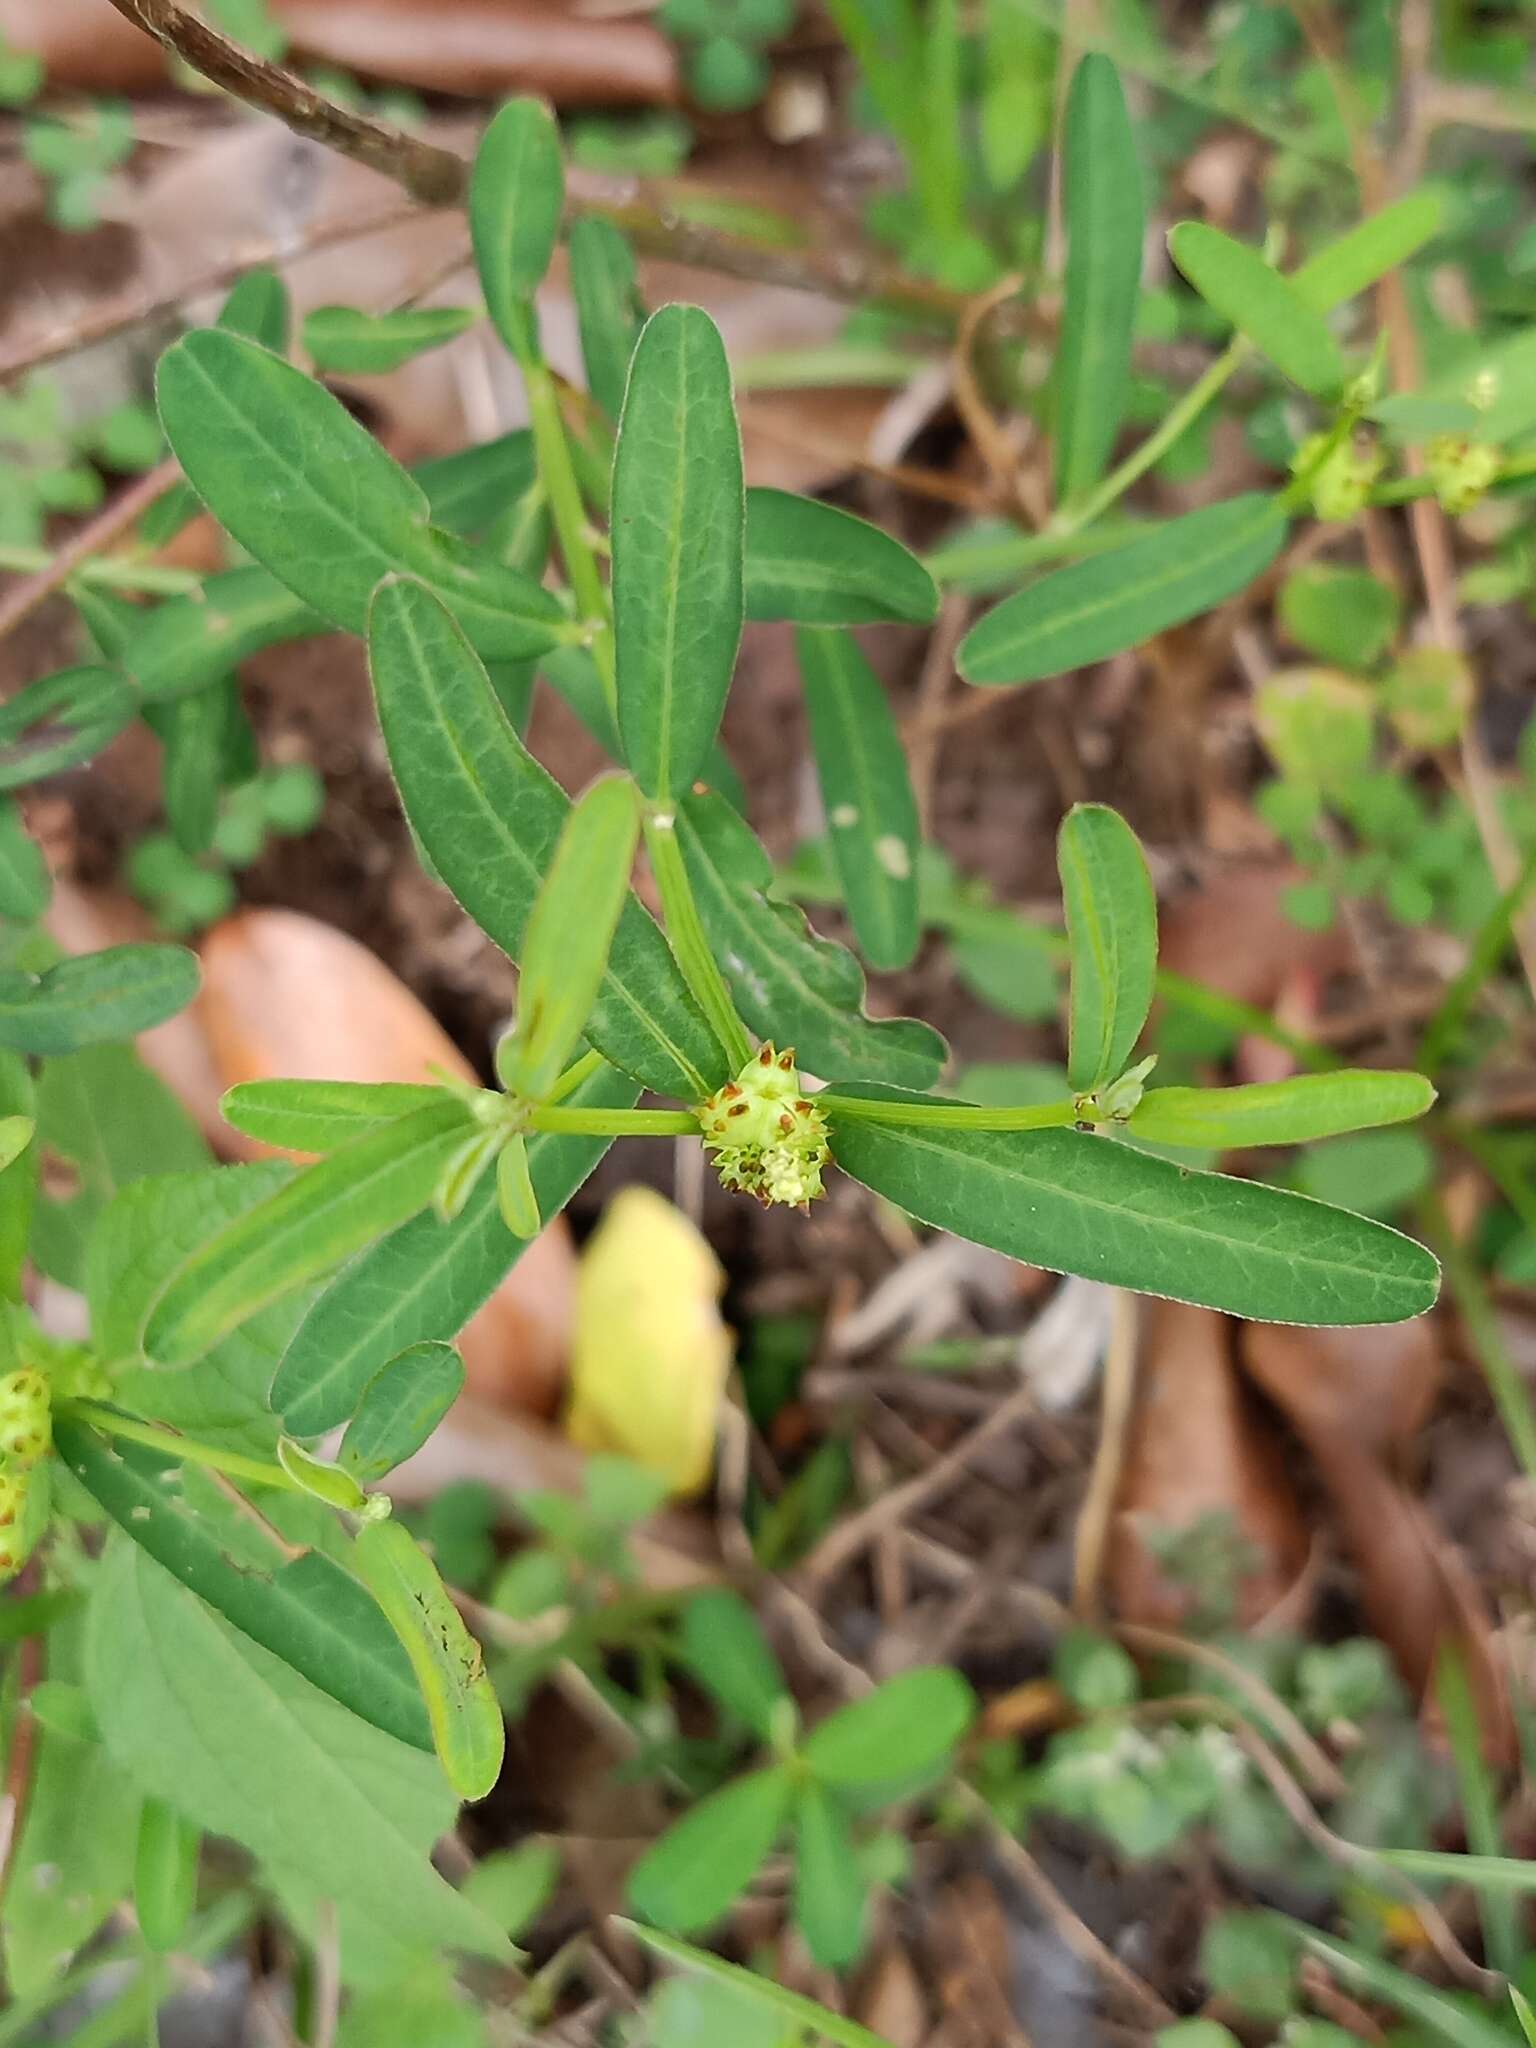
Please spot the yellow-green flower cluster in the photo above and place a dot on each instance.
(26, 1434)
(766, 1137)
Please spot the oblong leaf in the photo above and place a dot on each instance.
(260, 307)
(787, 981)
(60, 721)
(348, 340)
(424, 1282)
(25, 883)
(866, 791)
(95, 997)
(609, 309)
(319, 1116)
(1289, 1112)
(705, 1861)
(1105, 210)
(165, 1875)
(1095, 608)
(490, 817)
(400, 1408)
(824, 567)
(1076, 1203)
(189, 642)
(310, 493)
(309, 1612)
(1276, 317)
(467, 1727)
(677, 524)
(319, 1219)
(831, 1891)
(902, 1729)
(569, 935)
(1367, 251)
(516, 195)
(474, 486)
(723, 1647)
(1111, 913)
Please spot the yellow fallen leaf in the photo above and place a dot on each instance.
(651, 1351)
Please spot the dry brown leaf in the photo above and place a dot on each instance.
(1233, 934)
(891, 2002)
(1199, 1446)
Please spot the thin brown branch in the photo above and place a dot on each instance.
(1093, 1522)
(92, 538)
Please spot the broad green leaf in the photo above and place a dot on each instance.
(903, 1729)
(310, 1613)
(569, 935)
(320, 1218)
(260, 307)
(1377, 1172)
(1276, 317)
(490, 818)
(1345, 615)
(516, 195)
(1367, 251)
(105, 1120)
(194, 734)
(461, 1701)
(320, 1116)
(254, 1752)
(471, 488)
(308, 491)
(1289, 1112)
(726, 1652)
(866, 792)
(354, 343)
(93, 998)
(189, 642)
(1106, 222)
(1077, 1203)
(609, 309)
(165, 1875)
(1112, 938)
(824, 567)
(401, 1406)
(25, 884)
(831, 1892)
(513, 1886)
(60, 721)
(677, 524)
(422, 1283)
(705, 1861)
(802, 990)
(1093, 609)
(812, 2019)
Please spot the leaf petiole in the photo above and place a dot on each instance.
(685, 930)
(614, 1123)
(952, 1116)
(234, 1464)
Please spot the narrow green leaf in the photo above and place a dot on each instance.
(1289, 1112)
(790, 984)
(726, 1652)
(677, 523)
(1076, 1203)
(1440, 2015)
(609, 309)
(1112, 936)
(490, 818)
(25, 884)
(18, 1179)
(354, 343)
(813, 2019)
(831, 1892)
(1367, 251)
(422, 1283)
(473, 487)
(188, 642)
(15, 1136)
(1093, 609)
(705, 1861)
(400, 1408)
(516, 195)
(902, 1729)
(462, 1170)
(60, 721)
(260, 307)
(824, 567)
(165, 1875)
(331, 1808)
(514, 1189)
(309, 1612)
(866, 792)
(461, 1701)
(569, 935)
(1259, 302)
(320, 1116)
(1524, 2013)
(95, 997)
(1480, 1802)
(308, 491)
(1106, 222)
(320, 1480)
(320, 1218)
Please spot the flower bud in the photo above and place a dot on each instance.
(26, 1426)
(1461, 469)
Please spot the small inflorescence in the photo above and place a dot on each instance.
(26, 1433)
(767, 1138)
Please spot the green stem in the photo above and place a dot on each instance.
(107, 571)
(1244, 1019)
(1487, 950)
(574, 1075)
(615, 1123)
(951, 1116)
(1157, 443)
(557, 472)
(685, 929)
(1510, 1394)
(234, 1464)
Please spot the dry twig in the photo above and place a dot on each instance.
(92, 538)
